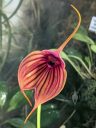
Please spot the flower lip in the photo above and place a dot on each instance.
(52, 59)
(51, 63)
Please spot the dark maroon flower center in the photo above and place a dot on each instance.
(52, 60)
(51, 63)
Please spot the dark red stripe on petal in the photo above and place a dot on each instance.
(34, 77)
(54, 84)
(63, 77)
(35, 82)
(41, 82)
(51, 81)
(32, 61)
(24, 69)
(30, 57)
(31, 72)
(47, 83)
(58, 85)
(34, 53)
(44, 84)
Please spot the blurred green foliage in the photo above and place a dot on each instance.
(89, 93)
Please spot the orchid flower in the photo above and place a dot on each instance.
(44, 72)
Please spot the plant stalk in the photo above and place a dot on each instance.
(39, 116)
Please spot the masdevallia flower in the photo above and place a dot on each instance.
(44, 72)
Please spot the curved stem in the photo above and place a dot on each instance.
(84, 65)
(66, 57)
(39, 116)
(15, 11)
(90, 55)
(74, 111)
(62, 46)
(29, 115)
(74, 66)
(9, 40)
(9, 2)
(27, 98)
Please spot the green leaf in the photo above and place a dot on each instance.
(93, 48)
(64, 55)
(49, 115)
(87, 60)
(17, 100)
(83, 38)
(3, 94)
(81, 29)
(17, 123)
(72, 51)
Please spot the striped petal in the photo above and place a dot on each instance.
(45, 73)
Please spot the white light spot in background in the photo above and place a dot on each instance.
(63, 126)
(2, 98)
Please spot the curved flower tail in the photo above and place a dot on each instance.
(29, 115)
(62, 46)
(26, 97)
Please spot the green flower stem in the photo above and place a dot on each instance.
(65, 56)
(39, 116)
(74, 66)
(90, 55)
(84, 65)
